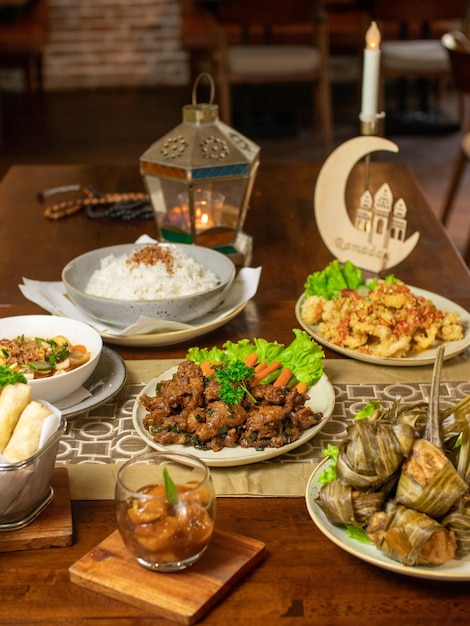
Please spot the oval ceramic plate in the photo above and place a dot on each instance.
(322, 399)
(152, 340)
(106, 381)
(424, 358)
(452, 570)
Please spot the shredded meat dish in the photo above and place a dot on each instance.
(188, 410)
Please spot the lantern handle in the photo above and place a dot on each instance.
(196, 83)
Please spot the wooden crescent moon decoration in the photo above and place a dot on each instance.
(377, 248)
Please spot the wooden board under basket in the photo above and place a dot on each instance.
(183, 596)
(52, 528)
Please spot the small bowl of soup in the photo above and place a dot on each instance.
(55, 354)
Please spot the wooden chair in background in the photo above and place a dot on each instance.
(256, 42)
(23, 38)
(457, 46)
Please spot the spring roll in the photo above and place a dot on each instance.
(24, 441)
(13, 400)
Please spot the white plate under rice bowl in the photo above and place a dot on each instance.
(123, 292)
(54, 388)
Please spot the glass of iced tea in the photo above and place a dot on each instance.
(165, 509)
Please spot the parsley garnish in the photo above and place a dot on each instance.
(10, 377)
(232, 376)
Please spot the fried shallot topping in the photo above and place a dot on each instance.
(152, 255)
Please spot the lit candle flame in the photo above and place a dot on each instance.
(373, 37)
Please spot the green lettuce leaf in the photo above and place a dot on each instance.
(367, 410)
(238, 351)
(267, 350)
(358, 534)
(198, 355)
(329, 474)
(352, 275)
(329, 282)
(304, 357)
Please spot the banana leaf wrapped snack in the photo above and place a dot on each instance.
(411, 537)
(400, 478)
(367, 467)
(373, 451)
(458, 521)
(428, 481)
(343, 504)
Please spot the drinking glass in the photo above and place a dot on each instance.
(165, 509)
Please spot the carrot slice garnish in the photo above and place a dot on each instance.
(269, 369)
(301, 387)
(283, 378)
(207, 369)
(251, 359)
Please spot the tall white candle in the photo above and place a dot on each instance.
(370, 75)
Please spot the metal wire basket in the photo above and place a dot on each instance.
(25, 487)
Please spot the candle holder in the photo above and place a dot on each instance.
(369, 125)
(199, 177)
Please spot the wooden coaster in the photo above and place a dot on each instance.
(181, 596)
(53, 526)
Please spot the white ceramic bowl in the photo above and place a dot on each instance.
(57, 387)
(77, 273)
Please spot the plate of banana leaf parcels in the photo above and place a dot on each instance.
(395, 492)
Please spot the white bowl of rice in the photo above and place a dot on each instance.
(177, 282)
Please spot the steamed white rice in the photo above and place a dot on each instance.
(118, 279)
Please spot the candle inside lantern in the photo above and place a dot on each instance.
(370, 75)
(203, 221)
(208, 206)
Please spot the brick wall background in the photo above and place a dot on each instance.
(136, 43)
(114, 43)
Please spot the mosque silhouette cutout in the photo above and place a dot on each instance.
(380, 218)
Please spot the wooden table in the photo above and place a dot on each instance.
(304, 578)
(281, 220)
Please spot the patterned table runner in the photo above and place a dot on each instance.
(95, 443)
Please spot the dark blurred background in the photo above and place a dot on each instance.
(115, 76)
